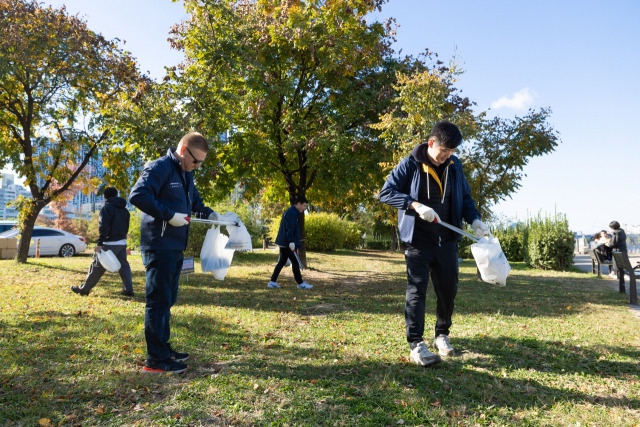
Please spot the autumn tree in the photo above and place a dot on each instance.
(303, 79)
(422, 98)
(57, 80)
(495, 158)
(495, 150)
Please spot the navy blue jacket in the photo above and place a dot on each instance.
(289, 230)
(162, 190)
(403, 187)
(113, 221)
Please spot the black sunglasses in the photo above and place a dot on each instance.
(195, 161)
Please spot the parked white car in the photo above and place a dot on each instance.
(52, 241)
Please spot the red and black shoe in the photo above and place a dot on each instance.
(177, 356)
(167, 366)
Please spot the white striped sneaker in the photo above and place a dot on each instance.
(273, 285)
(304, 285)
(441, 343)
(420, 355)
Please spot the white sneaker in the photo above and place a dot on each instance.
(304, 285)
(273, 285)
(441, 343)
(421, 356)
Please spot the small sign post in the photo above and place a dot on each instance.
(187, 266)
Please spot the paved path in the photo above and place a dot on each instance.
(583, 262)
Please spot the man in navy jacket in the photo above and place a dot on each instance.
(288, 240)
(167, 197)
(425, 187)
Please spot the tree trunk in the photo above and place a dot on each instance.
(302, 250)
(25, 236)
(394, 238)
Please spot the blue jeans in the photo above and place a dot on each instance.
(163, 275)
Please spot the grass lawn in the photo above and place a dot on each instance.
(549, 349)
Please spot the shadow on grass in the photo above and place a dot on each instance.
(383, 293)
(60, 366)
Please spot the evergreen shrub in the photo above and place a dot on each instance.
(550, 243)
(464, 248)
(513, 241)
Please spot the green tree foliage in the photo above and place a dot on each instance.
(497, 150)
(495, 158)
(304, 79)
(57, 79)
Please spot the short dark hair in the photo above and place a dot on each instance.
(195, 140)
(447, 134)
(615, 225)
(110, 192)
(300, 199)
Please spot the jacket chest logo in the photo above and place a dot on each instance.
(174, 185)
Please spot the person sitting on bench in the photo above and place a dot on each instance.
(603, 251)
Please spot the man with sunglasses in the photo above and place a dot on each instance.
(166, 195)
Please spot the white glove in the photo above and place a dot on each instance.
(292, 246)
(214, 216)
(426, 213)
(479, 228)
(178, 220)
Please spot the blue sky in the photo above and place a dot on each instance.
(581, 58)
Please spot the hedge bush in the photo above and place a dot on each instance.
(513, 241)
(550, 243)
(464, 248)
(324, 232)
(378, 244)
(352, 234)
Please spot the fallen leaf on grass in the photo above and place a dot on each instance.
(177, 416)
(44, 422)
(436, 403)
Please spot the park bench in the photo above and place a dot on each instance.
(596, 263)
(623, 266)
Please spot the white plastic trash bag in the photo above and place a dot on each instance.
(109, 261)
(491, 261)
(214, 257)
(239, 237)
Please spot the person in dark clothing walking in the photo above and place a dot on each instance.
(289, 240)
(113, 227)
(425, 187)
(167, 197)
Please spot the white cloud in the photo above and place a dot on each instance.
(520, 100)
